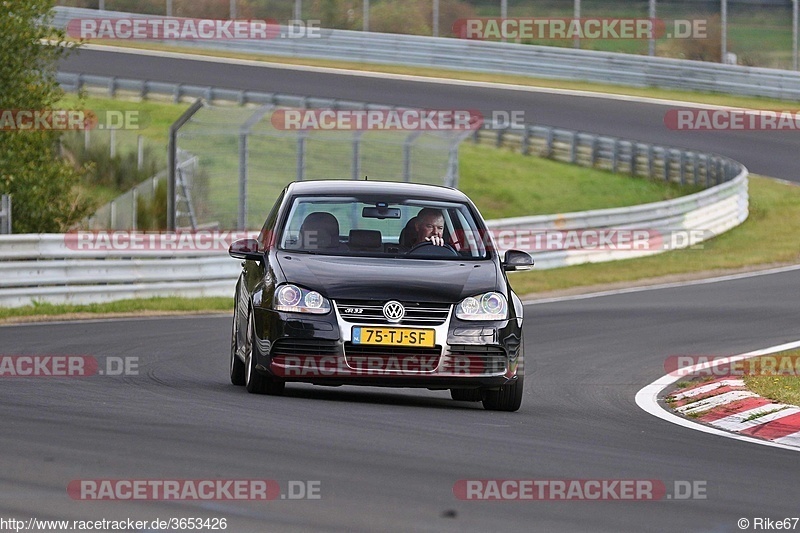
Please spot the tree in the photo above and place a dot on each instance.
(44, 186)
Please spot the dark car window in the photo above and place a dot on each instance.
(269, 226)
(378, 226)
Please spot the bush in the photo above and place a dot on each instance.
(416, 16)
(707, 49)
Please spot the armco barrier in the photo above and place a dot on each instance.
(504, 58)
(46, 268)
(54, 272)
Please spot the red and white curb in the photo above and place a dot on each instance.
(725, 407)
(729, 405)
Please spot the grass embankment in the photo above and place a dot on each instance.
(508, 184)
(781, 388)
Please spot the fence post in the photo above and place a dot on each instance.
(548, 149)
(451, 180)
(683, 168)
(356, 163)
(525, 146)
(242, 218)
(172, 156)
(5, 214)
(139, 153)
(112, 142)
(407, 144)
(135, 201)
(614, 155)
(573, 149)
(301, 155)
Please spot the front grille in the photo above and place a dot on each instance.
(304, 348)
(476, 359)
(392, 358)
(371, 312)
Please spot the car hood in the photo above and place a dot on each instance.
(364, 278)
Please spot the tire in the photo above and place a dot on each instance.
(255, 382)
(505, 398)
(236, 364)
(466, 395)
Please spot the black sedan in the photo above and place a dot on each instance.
(380, 284)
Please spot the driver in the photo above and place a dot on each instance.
(430, 226)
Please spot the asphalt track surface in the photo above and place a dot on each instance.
(769, 153)
(388, 459)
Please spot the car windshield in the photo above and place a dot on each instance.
(383, 226)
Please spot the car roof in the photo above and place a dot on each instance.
(336, 187)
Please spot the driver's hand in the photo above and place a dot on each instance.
(436, 240)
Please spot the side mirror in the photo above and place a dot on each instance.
(245, 249)
(515, 260)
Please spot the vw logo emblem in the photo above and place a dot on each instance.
(394, 311)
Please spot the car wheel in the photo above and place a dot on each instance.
(505, 398)
(255, 382)
(237, 365)
(466, 395)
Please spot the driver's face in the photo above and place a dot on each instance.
(430, 226)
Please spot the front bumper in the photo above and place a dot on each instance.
(320, 350)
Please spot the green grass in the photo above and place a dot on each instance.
(156, 117)
(768, 236)
(503, 183)
(781, 388)
(155, 305)
(507, 184)
(530, 185)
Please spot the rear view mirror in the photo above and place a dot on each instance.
(380, 211)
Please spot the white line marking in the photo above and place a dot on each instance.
(647, 400)
(731, 277)
(791, 440)
(708, 388)
(715, 401)
(740, 422)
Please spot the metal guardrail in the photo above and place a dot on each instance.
(44, 268)
(52, 268)
(616, 155)
(506, 58)
(5, 215)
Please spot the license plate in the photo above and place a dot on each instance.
(394, 336)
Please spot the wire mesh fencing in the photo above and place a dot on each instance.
(246, 156)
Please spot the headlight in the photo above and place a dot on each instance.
(488, 306)
(296, 300)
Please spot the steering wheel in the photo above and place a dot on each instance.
(427, 248)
